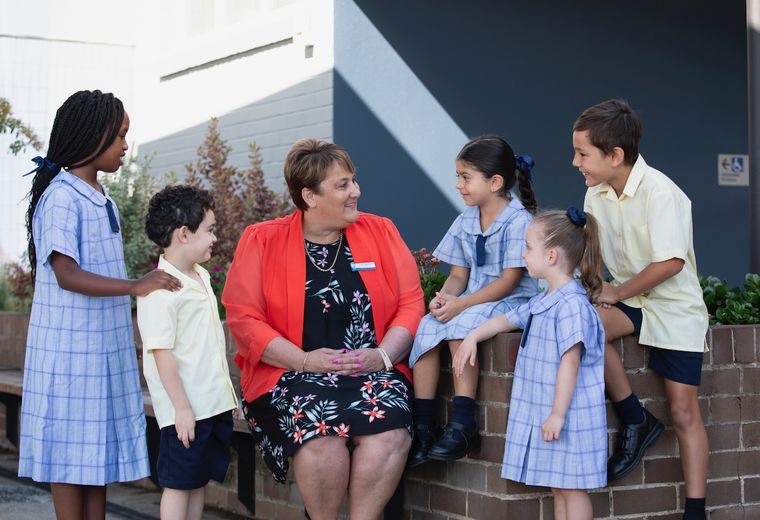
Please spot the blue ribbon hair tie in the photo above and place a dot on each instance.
(525, 164)
(44, 161)
(576, 216)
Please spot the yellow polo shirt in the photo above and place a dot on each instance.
(651, 222)
(187, 322)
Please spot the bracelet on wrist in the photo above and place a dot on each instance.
(303, 365)
(386, 359)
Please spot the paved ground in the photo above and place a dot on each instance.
(22, 499)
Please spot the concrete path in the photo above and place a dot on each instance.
(22, 499)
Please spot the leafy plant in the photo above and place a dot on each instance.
(431, 279)
(217, 270)
(131, 189)
(20, 287)
(23, 134)
(241, 196)
(732, 306)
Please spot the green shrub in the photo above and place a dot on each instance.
(431, 279)
(241, 197)
(131, 189)
(20, 287)
(732, 306)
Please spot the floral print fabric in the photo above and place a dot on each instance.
(307, 405)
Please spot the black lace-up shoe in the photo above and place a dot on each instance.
(632, 440)
(455, 442)
(424, 437)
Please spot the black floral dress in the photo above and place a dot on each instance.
(308, 405)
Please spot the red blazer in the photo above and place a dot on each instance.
(264, 294)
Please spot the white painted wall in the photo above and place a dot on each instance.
(263, 68)
(49, 50)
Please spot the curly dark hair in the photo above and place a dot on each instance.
(174, 207)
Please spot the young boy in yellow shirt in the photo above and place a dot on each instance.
(185, 362)
(645, 230)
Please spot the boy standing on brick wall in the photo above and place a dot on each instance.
(185, 362)
(646, 238)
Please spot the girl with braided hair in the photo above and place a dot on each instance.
(557, 426)
(82, 421)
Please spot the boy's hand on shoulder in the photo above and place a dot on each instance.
(551, 427)
(466, 353)
(608, 296)
(184, 423)
(155, 280)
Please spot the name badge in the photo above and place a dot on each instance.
(362, 266)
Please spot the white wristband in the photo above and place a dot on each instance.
(386, 359)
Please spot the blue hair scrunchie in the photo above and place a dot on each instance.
(44, 161)
(576, 216)
(525, 164)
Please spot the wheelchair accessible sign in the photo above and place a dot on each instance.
(733, 170)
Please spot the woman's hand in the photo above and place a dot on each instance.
(324, 360)
(450, 307)
(467, 352)
(358, 362)
(155, 280)
(551, 427)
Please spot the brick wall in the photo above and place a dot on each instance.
(472, 487)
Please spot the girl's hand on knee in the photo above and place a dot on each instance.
(551, 427)
(154, 281)
(435, 303)
(184, 423)
(466, 353)
(452, 305)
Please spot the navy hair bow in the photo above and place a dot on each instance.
(44, 161)
(525, 164)
(576, 216)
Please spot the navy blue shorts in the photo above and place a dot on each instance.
(678, 366)
(634, 314)
(207, 457)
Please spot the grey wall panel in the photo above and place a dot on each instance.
(525, 70)
(303, 110)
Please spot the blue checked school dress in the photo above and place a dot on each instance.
(553, 323)
(501, 247)
(82, 418)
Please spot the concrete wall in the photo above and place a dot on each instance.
(413, 81)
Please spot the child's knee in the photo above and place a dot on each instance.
(684, 413)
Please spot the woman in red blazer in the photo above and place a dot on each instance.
(323, 305)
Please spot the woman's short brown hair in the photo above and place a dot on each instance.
(307, 163)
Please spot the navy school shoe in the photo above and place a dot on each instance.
(424, 437)
(456, 441)
(632, 441)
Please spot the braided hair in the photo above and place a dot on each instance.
(84, 127)
(492, 155)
